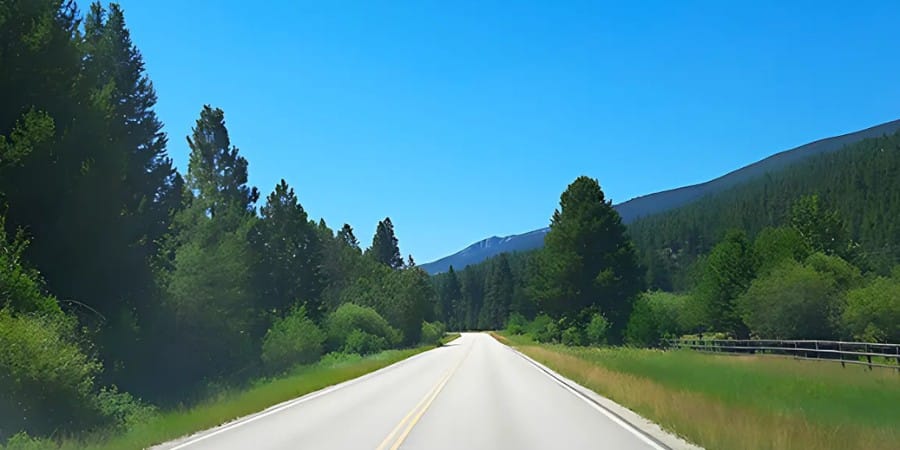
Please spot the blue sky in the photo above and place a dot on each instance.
(461, 120)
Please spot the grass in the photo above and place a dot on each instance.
(230, 405)
(739, 402)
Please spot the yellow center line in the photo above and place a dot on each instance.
(388, 439)
(419, 410)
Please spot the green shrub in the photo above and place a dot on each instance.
(660, 315)
(122, 409)
(292, 340)
(20, 286)
(46, 380)
(432, 333)
(792, 301)
(362, 343)
(596, 330)
(349, 317)
(22, 441)
(573, 335)
(872, 313)
(516, 324)
(544, 329)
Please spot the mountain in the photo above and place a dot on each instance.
(660, 202)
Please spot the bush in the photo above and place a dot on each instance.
(660, 315)
(596, 330)
(363, 343)
(46, 380)
(872, 313)
(544, 329)
(292, 340)
(21, 286)
(573, 335)
(432, 333)
(516, 324)
(349, 317)
(122, 409)
(22, 441)
(791, 302)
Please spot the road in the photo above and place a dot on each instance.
(474, 393)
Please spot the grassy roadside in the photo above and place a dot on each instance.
(731, 402)
(230, 405)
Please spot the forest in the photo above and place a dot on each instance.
(807, 252)
(127, 286)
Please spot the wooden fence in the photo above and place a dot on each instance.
(886, 355)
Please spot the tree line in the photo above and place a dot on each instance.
(809, 252)
(859, 183)
(124, 279)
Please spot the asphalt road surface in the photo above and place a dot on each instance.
(474, 393)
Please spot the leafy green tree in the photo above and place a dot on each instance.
(384, 245)
(822, 230)
(729, 269)
(657, 316)
(290, 255)
(597, 329)
(588, 262)
(775, 245)
(872, 313)
(791, 302)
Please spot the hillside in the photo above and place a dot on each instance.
(860, 182)
(661, 202)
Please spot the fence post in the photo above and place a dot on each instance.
(868, 357)
(817, 350)
(841, 353)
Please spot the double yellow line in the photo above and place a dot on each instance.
(413, 417)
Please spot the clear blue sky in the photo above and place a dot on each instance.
(461, 120)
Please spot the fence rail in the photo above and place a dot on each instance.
(836, 351)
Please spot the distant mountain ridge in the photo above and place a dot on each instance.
(662, 201)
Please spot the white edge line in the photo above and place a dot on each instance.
(291, 403)
(615, 418)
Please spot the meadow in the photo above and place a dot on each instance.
(738, 402)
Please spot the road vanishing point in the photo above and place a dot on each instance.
(474, 393)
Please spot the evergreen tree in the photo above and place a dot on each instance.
(209, 286)
(384, 245)
(216, 173)
(728, 270)
(290, 254)
(346, 235)
(588, 263)
(450, 300)
(498, 294)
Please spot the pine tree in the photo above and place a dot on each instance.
(588, 263)
(450, 301)
(290, 255)
(346, 235)
(498, 294)
(216, 173)
(384, 245)
(728, 270)
(210, 284)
